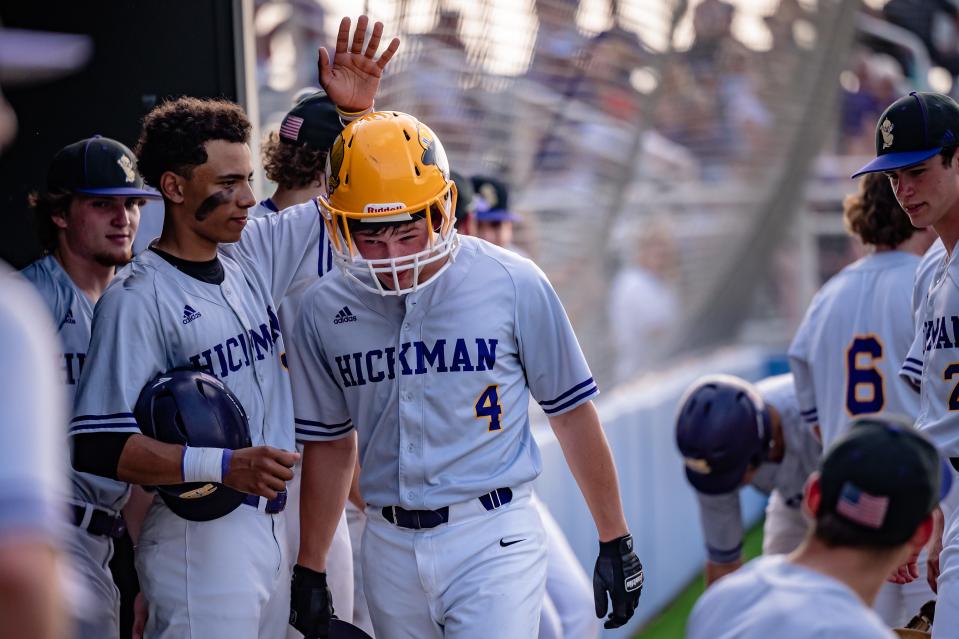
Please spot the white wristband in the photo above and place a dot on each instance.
(202, 464)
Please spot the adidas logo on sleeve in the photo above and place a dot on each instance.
(190, 314)
(344, 315)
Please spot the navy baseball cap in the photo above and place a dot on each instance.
(97, 166)
(723, 427)
(313, 121)
(913, 129)
(883, 477)
(492, 200)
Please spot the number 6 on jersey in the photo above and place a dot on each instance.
(865, 392)
(488, 406)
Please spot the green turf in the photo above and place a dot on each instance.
(671, 622)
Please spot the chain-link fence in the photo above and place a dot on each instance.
(656, 151)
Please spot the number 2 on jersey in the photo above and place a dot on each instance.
(865, 386)
(488, 406)
(948, 374)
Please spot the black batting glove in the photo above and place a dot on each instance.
(311, 605)
(620, 573)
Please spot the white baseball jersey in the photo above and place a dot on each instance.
(856, 333)
(934, 258)
(721, 515)
(263, 208)
(939, 396)
(320, 254)
(32, 415)
(437, 381)
(153, 318)
(73, 314)
(770, 597)
(925, 272)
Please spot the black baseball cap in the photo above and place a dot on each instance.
(97, 166)
(464, 195)
(913, 129)
(883, 477)
(492, 200)
(313, 121)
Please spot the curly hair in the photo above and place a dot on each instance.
(45, 207)
(292, 166)
(874, 214)
(174, 133)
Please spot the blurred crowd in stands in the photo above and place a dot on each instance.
(588, 116)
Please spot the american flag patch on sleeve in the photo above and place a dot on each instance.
(862, 508)
(290, 129)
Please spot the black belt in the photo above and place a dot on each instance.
(420, 519)
(102, 522)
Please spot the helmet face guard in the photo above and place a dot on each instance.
(442, 243)
(389, 168)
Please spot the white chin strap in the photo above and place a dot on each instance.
(367, 273)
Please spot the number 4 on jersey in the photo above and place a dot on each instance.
(865, 386)
(488, 406)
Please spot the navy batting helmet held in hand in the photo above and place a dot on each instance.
(722, 429)
(194, 409)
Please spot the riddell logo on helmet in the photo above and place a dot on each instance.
(386, 207)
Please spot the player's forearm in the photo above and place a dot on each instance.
(589, 458)
(327, 473)
(715, 571)
(355, 495)
(146, 461)
(136, 510)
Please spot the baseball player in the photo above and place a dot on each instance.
(911, 370)
(295, 158)
(566, 611)
(355, 506)
(430, 360)
(872, 501)
(855, 335)
(911, 373)
(916, 139)
(493, 219)
(86, 221)
(731, 434)
(931, 261)
(32, 474)
(862, 314)
(465, 203)
(204, 297)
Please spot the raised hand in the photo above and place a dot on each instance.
(353, 76)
